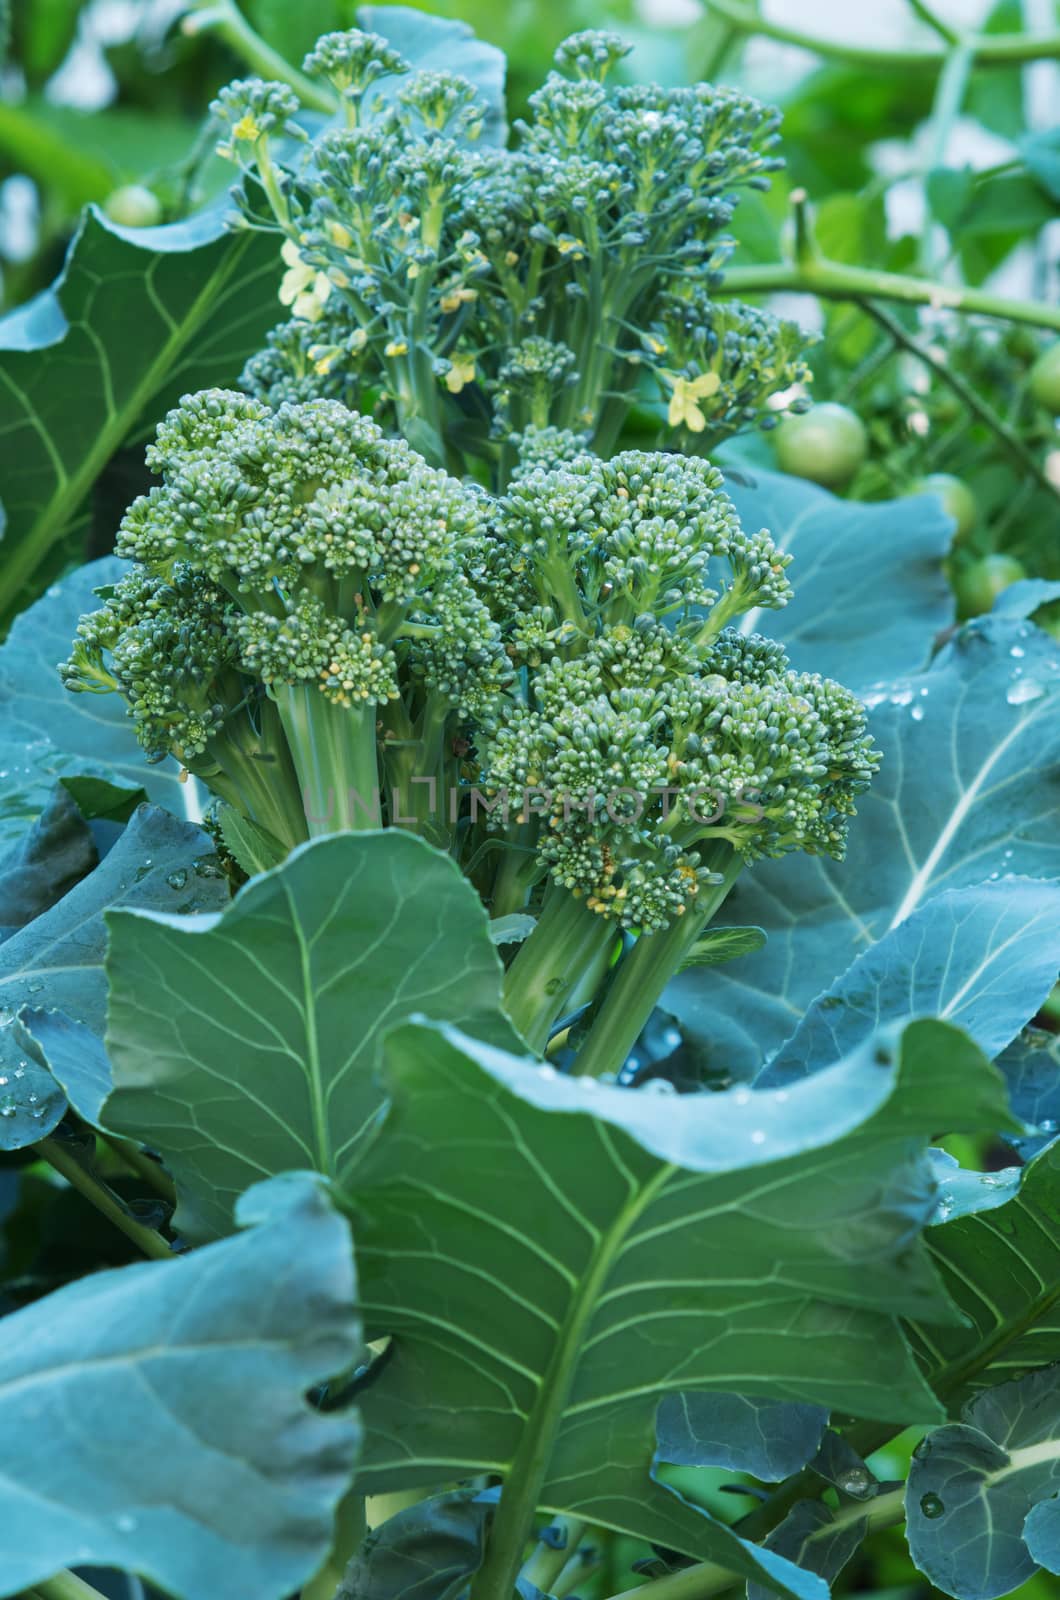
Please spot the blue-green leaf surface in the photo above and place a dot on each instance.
(1031, 1066)
(42, 866)
(426, 1552)
(246, 1044)
(1001, 1265)
(770, 1439)
(57, 959)
(984, 958)
(538, 1242)
(968, 792)
(870, 592)
(817, 1538)
(443, 44)
(973, 1484)
(154, 1418)
(47, 733)
(137, 317)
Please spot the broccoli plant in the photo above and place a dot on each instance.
(514, 1229)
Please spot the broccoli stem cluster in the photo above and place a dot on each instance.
(470, 292)
(551, 684)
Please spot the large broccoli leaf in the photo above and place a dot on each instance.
(981, 1502)
(48, 733)
(154, 1418)
(554, 1255)
(870, 591)
(136, 318)
(967, 792)
(246, 1043)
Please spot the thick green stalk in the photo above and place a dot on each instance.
(104, 1199)
(707, 1579)
(569, 942)
(224, 18)
(66, 1586)
(333, 748)
(646, 970)
(830, 280)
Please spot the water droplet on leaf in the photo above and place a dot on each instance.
(931, 1505)
(1020, 693)
(178, 878)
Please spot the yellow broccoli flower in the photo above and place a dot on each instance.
(461, 372)
(683, 401)
(303, 288)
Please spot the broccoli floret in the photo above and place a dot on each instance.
(296, 557)
(496, 289)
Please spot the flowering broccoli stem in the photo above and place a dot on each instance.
(334, 752)
(569, 945)
(645, 972)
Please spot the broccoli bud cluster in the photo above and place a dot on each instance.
(647, 728)
(476, 291)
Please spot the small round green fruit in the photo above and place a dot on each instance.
(1045, 379)
(827, 445)
(133, 206)
(979, 585)
(958, 501)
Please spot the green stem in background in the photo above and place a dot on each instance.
(224, 18)
(936, 24)
(351, 1525)
(645, 972)
(949, 97)
(707, 1579)
(65, 1586)
(830, 280)
(143, 1165)
(989, 50)
(568, 942)
(333, 748)
(969, 396)
(105, 1200)
(546, 1561)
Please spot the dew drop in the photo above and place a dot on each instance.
(590, 1083)
(206, 867)
(858, 1481)
(658, 1086)
(7, 1110)
(3, 1081)
(917, 713)
(1020, 693)
(20, 1070)
(1048, 1125)
(35, 985)
(742, 1097)
(554, 985)
(931, 1505)
(125, 1524)
(177, 879)
(758, 1137)
(1017, 651)
(546, 1071)
(141, 872)
(904, 697)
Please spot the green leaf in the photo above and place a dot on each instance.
(1031, 1066)
(251, 845)
(965, 790)
(972, 1486)
(869, 587)
(246, 1043)
(950, 191)
(1041, 152)
(555, 1255)
(57, 960)
(54, 855)
(426, 1552)
(74, 1056)
(770, 1439)
(158, 1416)
(984, 958)
(999, 1266)
(723, 944)
(444, 44)
(48, 733)
(136, 318)
(817, 1539)
(31, 1102)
